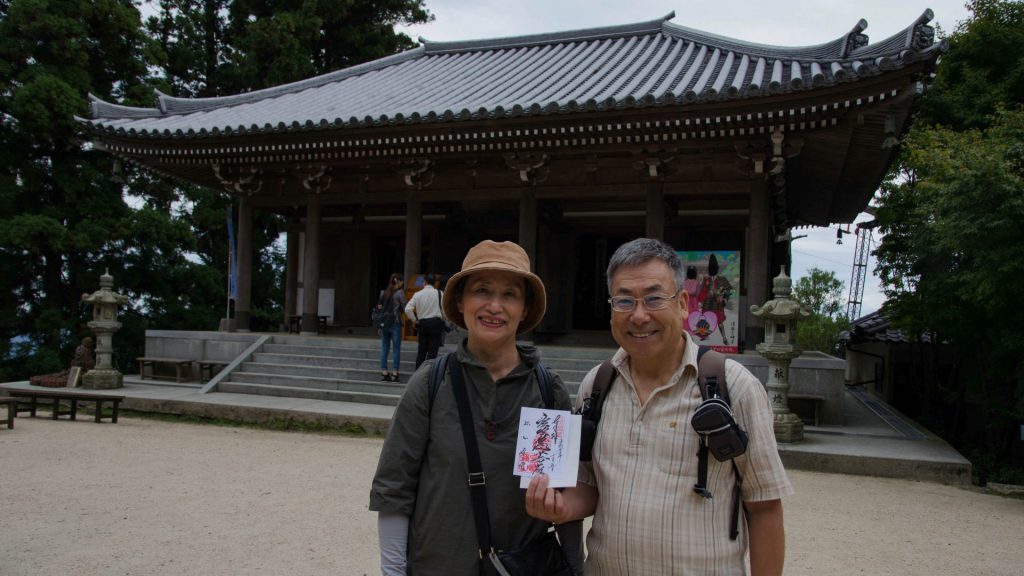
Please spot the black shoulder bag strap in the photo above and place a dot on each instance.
(476, 479)
(711, 371)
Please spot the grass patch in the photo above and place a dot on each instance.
(276, 424)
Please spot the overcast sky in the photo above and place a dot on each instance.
(777, 22)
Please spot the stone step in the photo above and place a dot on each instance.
(564, 369)
(408, 353)
(396, 388)
(327, 341)
(349, 343)
(360, 374)
(327, 361)
(309, 393)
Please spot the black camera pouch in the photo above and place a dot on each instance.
(718, 429)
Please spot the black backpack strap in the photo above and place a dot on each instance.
(711, 379)
(437, 371)
(546, 383)
(592, 406)
(734, 522)
(711, 374)
(707, 381)
(599, 390)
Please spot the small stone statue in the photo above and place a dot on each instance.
(84, 357)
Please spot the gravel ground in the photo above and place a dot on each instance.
(146, 497)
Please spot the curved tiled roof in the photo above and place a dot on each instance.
(652, 63)
(876, 327)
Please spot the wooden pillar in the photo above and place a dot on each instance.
(528, 225)
(291, 272)
(413, 234)
(655, 211)
(311, 268)
(758, 254)
(243, 305)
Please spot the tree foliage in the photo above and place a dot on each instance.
(68, 211)
(63, 218)
(952, 255)
(983, 71)
(822, 292)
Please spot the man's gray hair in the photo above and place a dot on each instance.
(642, 250)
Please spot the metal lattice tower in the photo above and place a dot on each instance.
(861, 251)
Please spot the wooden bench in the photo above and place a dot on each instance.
(815, 400)
(295, 324)
(206, 367)
(31, 397)
(12, 409)
(180, 365)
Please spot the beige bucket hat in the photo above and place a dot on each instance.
(506, 257)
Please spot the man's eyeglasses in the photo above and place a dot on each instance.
(651, 302)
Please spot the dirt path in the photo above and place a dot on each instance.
(151, 498)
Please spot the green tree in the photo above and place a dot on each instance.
(62, 217)
(277, 41)
(951, 256)
(952, 259)
(222, 47)
(822, 292)
(983, 71)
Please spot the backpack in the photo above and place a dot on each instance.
(713, 421)
(387, 313)
(544, 381)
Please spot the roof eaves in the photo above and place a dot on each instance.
(826, 51)
(915, 39)
(103, 109)
(583, 35)
(172, 105)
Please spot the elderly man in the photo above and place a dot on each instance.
(425, 310)
(648, 519)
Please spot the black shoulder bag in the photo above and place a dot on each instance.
(543, 556)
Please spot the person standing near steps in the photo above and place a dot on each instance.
(389, 312)
(424, 308)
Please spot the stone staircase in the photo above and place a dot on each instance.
(347, 369)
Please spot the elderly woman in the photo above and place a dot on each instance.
(426, 517)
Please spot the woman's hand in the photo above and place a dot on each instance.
(545, 503)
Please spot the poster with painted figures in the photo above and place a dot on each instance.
(548, 443)
(711, 289)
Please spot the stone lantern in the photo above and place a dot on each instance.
(104, 323)
(779, 348)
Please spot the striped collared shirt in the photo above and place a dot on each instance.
(649, 521)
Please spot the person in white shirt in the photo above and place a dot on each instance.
(425, 310)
